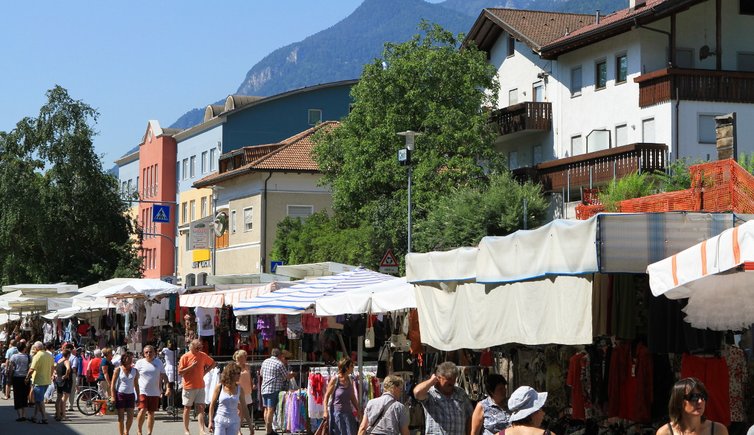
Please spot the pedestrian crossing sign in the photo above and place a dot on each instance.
(161, 213)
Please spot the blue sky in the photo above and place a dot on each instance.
(139, 60)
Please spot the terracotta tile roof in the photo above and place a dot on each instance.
(615, 23)
(290, 155)
(537, 28)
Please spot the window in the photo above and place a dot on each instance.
(621, 135)
(600, 74)
(577, 146)
(621, 68)
(192, 167)
(184, 212)
(192, 210)
(212, 160)
(707, 128)
(512, 97)
(536, 155)
(186, 241)
(746, 7)
(513, 160)
(300, 211)
(511, 45)
(576, 81)
(185, 169)
(315, 116)
(204, 162)
(745, 61)
(204, 206)
(248, 222)
(233, 221)
(684, 57)
(538, 92)
(648, 130)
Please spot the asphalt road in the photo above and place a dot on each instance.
(81, 424)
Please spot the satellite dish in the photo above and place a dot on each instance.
(705, 52)
(220, 224)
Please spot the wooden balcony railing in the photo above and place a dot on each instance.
(600, 166)
(695, 85)
(523, 116)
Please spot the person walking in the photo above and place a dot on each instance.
(19, 365)
(124, 388)
(106, 370)
(169, 355)
(247, 387)
(688, 401)
(63, 384)
(228, 404)
(12, 350)
(193, 366)
(151, 378)
(76, 364)
(275, 377)
(40, 374)
(447, 409)
(340, 418)
(386, 415)
(525, 405)
(490, 415)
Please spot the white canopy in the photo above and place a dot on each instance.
(386, 296)
(455, 265)
(217, 299)
(714, 276)
(140, 287)
(41, 290)
(300, 297)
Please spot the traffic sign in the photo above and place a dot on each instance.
(161, 213)
(389, 264)
(274, 265)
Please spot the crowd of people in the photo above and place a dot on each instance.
(33, 372)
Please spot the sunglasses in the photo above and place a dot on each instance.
(694, 397)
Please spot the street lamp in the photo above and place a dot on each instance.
(404, 158)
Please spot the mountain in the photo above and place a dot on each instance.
(340, 52)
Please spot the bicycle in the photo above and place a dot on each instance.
(89, 401)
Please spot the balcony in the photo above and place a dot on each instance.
(695, 85)
(599, 167)
(521, 117)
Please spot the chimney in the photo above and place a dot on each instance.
(635, 4)
(725, 136)
(597, 17)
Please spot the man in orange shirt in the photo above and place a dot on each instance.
(192, 367)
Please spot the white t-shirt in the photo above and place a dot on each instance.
(149, 376)
(205, 321)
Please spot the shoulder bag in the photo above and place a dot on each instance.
(379, 417)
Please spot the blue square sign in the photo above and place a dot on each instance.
(161, 213)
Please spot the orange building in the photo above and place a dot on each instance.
(157, 187)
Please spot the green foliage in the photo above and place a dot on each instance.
(467, 214)
(63, 218)
(677, 177)
(631, 186)
(747, 162)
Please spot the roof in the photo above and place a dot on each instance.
(616, 23)
(290, 155)
(534, 28)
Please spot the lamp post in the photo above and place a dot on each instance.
(404, 158)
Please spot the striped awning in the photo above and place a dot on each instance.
(302, 296)
(217, 299)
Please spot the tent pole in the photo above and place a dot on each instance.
(360, 362)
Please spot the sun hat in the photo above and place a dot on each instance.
(524, 402)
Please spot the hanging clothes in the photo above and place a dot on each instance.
(205, 321)
(630, 384)
(713, 372)
(735, 359)
(579, 379)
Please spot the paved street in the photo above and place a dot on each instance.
(80, 424)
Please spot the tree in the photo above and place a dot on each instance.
(64, 219)
(427, 85)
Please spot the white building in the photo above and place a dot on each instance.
(584, 98)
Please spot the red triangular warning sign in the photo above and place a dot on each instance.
(388, 260)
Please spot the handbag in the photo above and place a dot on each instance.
(415, 413)
(369, 339)
(403, 362)
(323, 428)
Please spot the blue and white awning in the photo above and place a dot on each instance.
(300, 297)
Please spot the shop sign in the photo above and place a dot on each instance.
(199, 233)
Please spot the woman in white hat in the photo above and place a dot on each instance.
(525, 405)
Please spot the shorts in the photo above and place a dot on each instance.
(65, 388)
(39, 393)
(150, 403)
(124, 400)
(270, 400)
(193, 396)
